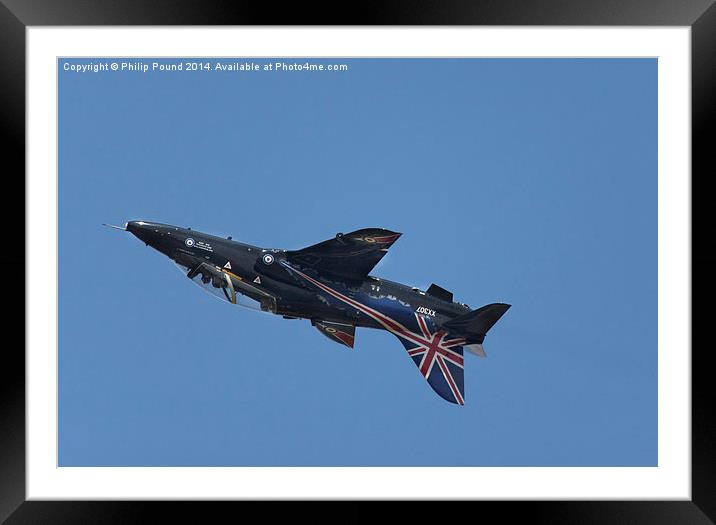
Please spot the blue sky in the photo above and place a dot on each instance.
(526, 181)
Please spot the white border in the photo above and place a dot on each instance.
(670, 480)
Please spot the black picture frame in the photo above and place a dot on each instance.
(699, 15)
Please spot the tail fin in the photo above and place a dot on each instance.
(474, 325)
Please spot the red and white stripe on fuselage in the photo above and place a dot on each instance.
(433, 346)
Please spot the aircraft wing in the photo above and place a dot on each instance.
(439, 358)
(337, 332)
(352, 255)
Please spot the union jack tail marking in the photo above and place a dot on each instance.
(425, 346)
(447, 379)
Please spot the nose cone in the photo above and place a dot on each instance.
(161, 237)
(148, 232)
(139, 229)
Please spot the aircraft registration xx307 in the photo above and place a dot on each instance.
(328, 284)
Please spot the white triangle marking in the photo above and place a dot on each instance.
(257, 280)
(227, 265)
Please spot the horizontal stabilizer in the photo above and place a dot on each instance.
(474, 325)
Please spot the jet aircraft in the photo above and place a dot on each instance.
(329, 285)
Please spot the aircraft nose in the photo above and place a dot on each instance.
(135, 227)
(141, 230)
(153, 234)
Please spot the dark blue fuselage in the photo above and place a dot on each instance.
(287, 293)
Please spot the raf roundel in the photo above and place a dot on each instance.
(189, 242)
(268, 258)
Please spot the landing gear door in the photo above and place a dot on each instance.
(229, 291)
(225, 286)
(213, 281)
